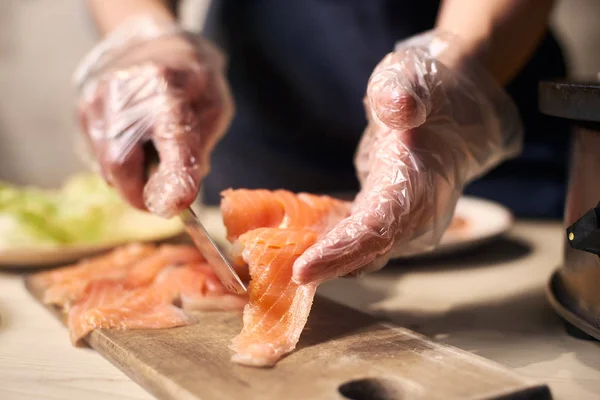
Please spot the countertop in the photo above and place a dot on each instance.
(490, 302)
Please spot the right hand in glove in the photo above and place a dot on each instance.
(151, 83)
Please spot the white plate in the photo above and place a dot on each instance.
(52, 256)
(485, 221)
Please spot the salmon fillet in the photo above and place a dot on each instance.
(65, 285)
(244, 210)
(270, 230)
(114, 305)
(138, 270)
(135, 287)
(198, 288)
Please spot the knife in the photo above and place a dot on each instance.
(209, 249)
(200, 236)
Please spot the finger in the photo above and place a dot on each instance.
(127, 175)
(170, 190)
(368, 233)
(353, 243)
(175, 184)
(397, 91)
(123, 173)
(185, 132)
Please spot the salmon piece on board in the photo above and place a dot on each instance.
(269, 231)
(164, 303)
(135, 287)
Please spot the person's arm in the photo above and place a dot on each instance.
(502, 34)
(109, 14)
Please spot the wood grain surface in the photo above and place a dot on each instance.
(343, 354)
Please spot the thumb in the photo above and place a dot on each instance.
(353, 244)
(398, 93)
(350, 246)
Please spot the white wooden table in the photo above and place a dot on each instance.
(490, 302)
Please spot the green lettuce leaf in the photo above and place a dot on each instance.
(84, 211)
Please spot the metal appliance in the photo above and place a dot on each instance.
(574, 289)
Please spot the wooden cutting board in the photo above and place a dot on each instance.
(343, 354)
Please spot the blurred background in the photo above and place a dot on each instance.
(41, 42)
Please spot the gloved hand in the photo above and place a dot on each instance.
(435, 122)
(151, 82)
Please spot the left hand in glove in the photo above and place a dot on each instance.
(436, 121)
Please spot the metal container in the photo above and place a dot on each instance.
(574, 289)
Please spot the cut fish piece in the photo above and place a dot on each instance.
(197, 288)
(270, 230)
(139, 265)
(135, 287)
(120, 257)
(278, 308)
(65, 285)
(244, 210)
(112, 305)
(144, 271)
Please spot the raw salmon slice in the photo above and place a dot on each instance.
(64, 285)
(197, 288)
(139, 264)
(110, 304)
(113, 305)
(278, 308)
(270, 230)
(145, 287)
(244, 210)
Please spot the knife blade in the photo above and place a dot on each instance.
(209, 249)
(207, 246)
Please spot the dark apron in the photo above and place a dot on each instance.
(298, 70)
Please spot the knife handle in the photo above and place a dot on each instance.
(151, 159)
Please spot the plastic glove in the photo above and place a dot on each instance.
(435, 122)
(150, 82)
